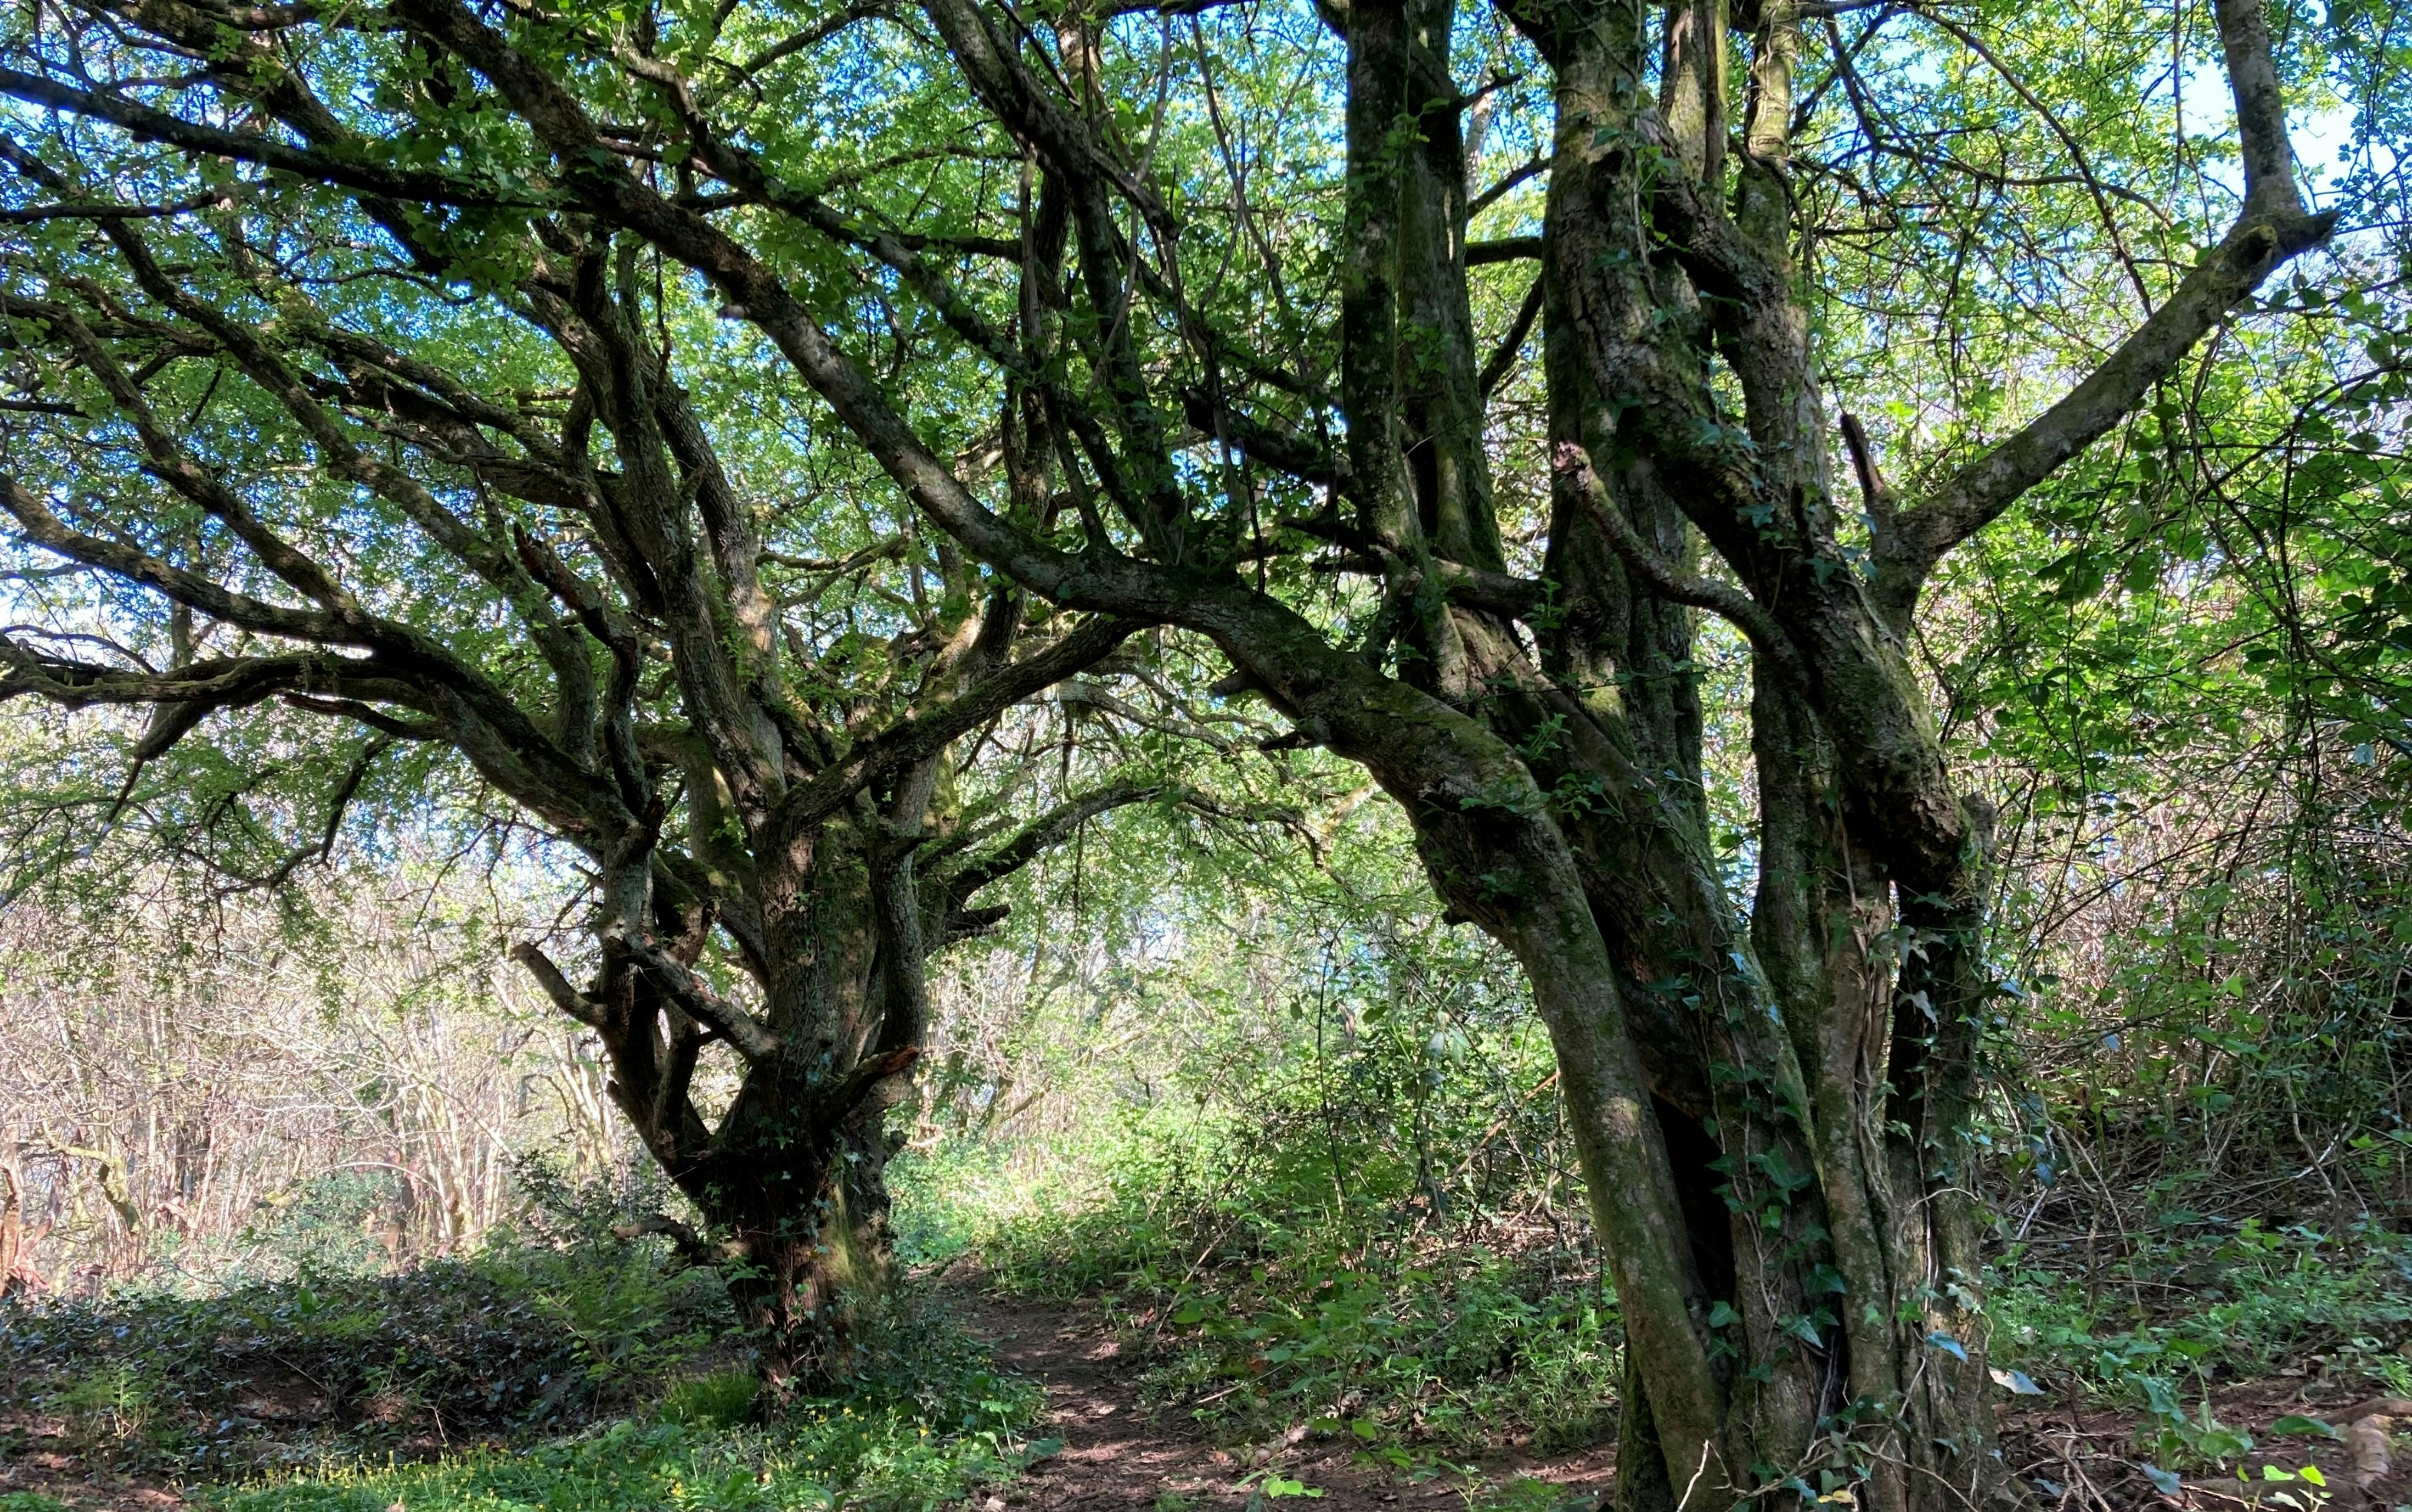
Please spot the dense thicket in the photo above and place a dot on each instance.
(195, 1085)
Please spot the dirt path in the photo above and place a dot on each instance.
(1116, 1458)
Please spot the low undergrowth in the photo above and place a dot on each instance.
(586, 1377)
(926, 1421)
(1264, 1307)
(1459, 1354)
(2221, 1341)
(2206, 1300)
(329, 1366)
(871, 1457)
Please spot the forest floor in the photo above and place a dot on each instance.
(38, 1462)
(1118, 1456)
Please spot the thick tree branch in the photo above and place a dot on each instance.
(2260, 108)
(1504, 249)
(360, 713)
(2271, 229)
(689, 1246)
(182, 699)
(1503, 359)
(149, 125)
(1979, 493)
(838, 1100)
(98, 211)
(1104, 581)
(1501, 593)
(1875, 493)
(1736, 606)
(811, 37)
(1007, 87)
(569, 999)
(1300, 457)
(746, 1033)
(925, 734)
(1042, 835)
(46, 530)
(1488, 198)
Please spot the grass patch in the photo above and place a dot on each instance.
(2156, 1328)
(1459, 1354)
(928, 1418)
(724, 1399)
(571, 1377)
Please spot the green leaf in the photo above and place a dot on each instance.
(2295, 1425)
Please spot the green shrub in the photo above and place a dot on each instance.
(2199, 1301)
(328, 1224)
(874, 1459)
(1318, 1229)
(724, 1399)
(1524, 1493)
(1263, 1301)
(2209, 1299)
(1459, 1354)
(112, 1407)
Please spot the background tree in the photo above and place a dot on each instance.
(351, 1065)
(1242, 321)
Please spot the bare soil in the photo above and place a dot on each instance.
(1117, 1456)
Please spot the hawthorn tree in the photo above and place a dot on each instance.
(1207, 277)
(248, 496)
